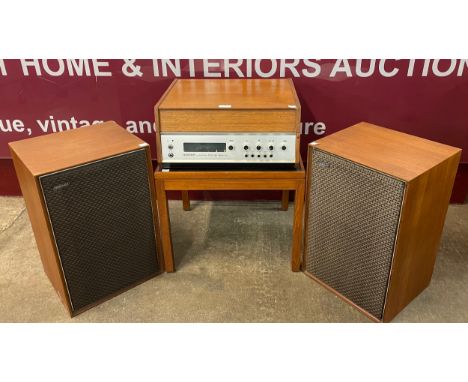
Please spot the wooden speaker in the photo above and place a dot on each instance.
(89, 195)
(376, 205)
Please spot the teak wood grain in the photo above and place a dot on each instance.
(38, 156)
(389, 151)
(47, 153)
(428, 171)
(421, 223)
(298, 121)
(157, 123)
(230, 184)
(165, 226)
(230, 180)
(235, 121)
(185, 200)
(285, 200)
(238, 93)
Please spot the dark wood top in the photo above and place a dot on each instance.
(239, 93)
(56, 151)
(398, 154)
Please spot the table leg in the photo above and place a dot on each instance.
(285, 200)
(297, 227)
(185, 200)
(165, 226)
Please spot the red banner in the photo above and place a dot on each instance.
(427, 98)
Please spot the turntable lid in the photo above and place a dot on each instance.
(231, 94)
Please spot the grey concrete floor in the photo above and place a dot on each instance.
(233, 266)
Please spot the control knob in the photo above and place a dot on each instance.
(231, 147)
(246, 147)
(170, 147)
(171, 155)
(259, 147)
(270, 147)
(283, 147)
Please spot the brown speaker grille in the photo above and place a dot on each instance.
(352, 226)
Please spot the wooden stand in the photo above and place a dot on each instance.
(230, 180)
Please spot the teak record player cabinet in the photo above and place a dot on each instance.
(90, 198)
(228, 106)
(375, 209)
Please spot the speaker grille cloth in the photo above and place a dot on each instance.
(352, 225)
(102, 221)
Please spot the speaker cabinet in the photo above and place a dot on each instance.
(376, 205)
(90, 198)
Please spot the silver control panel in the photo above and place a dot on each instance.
(228, 148)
